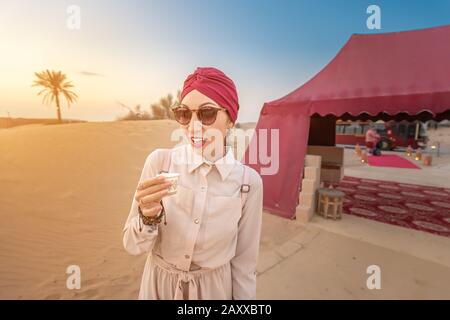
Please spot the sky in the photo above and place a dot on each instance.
(135, 52)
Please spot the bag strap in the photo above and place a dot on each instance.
(166, 161)
(245, 187)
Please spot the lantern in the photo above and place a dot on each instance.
(358, 149)
(418, 154)
(427, 159)
(364, 157)
(408, 151)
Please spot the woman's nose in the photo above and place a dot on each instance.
(195, 126)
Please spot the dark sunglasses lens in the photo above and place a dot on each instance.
(207, 115)
(183, 115)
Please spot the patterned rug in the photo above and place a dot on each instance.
(408, 205)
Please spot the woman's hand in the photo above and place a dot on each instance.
(149, 194)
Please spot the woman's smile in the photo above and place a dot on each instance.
(198, 142)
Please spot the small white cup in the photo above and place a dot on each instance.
(171, 177)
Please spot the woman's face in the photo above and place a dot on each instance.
(202, 136)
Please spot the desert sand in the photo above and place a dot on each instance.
(66, 191)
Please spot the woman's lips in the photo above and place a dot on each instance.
(198, 142)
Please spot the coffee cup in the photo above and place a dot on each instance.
(173, 178)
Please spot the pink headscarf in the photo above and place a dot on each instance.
(214, 84)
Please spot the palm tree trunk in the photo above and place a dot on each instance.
(58, 108)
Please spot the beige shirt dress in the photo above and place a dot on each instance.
(209, 247)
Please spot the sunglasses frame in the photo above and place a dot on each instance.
(196, 111)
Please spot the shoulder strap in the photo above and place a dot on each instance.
(245, 187)
(166, 161)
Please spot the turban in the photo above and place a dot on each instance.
(214, 84)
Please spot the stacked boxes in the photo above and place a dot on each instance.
(332, 166)
(310, 183)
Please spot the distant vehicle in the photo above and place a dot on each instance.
(393, 134)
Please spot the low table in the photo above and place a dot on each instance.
(330, 203)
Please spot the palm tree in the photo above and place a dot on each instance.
(55, 83)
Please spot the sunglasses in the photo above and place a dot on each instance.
(206, 115)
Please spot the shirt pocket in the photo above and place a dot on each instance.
(221, 219)
(184, 198)
(180, 203)
(178, 208)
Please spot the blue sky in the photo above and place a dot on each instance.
(144, 49)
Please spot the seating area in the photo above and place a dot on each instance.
(330, 203)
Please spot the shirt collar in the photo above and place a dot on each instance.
(224, 165)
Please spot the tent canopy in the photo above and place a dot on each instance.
(399, 72)
(398, 75)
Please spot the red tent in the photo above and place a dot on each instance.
(399, 75)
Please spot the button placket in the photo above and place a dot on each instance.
(198, 208)
(204, 170)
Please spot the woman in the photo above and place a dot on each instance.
(207, 248)
(372, 139)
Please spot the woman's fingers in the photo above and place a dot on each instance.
(151, 189)
(156, 188)
(154, 197)
(150, 182)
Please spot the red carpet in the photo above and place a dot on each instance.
(391, 160)
(411, 206)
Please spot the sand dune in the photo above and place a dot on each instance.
(65, 192)
(14, 122)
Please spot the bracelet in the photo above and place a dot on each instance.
(152, 221)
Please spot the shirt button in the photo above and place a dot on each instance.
(203, 189)
(186, 256)
(196, 221)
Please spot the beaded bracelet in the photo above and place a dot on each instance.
(151, 221)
